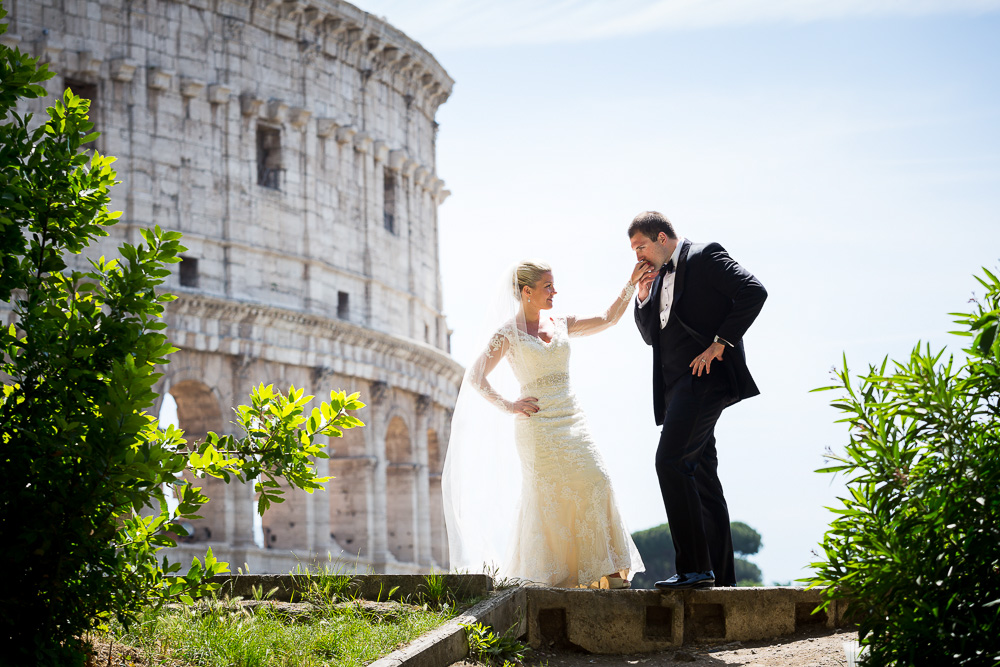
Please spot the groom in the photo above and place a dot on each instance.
(693, 307)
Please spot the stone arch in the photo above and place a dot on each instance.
(435, 461)
(288, 525)
(398, 445)
(198, 412)
(401, 491)
(198, 408)
(351, 491)
(186, 367)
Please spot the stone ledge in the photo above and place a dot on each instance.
(448, 644)
(635, 621)
(271, 333)
(626, 621)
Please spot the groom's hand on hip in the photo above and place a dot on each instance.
(703, 362)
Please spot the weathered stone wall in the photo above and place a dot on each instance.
(293, 143)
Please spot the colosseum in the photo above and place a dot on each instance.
(293, 144)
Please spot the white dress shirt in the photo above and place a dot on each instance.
(667, 288)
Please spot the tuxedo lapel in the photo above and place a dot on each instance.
(654, 302)
(680, 275)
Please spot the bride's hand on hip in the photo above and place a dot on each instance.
(525, 406)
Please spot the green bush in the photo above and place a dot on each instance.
(83, 467)
(915, 545)
(746, 540)
(747, 573)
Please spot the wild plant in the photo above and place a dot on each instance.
(434, 592)
(488, 646)
(915, 545)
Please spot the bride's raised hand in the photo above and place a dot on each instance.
(643, 276)
(525, 406)
(642, 270)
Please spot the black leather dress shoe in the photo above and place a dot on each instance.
(687, 580)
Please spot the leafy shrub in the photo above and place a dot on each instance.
(915, 545)
(83, 511)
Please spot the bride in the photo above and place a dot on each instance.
(563, 528)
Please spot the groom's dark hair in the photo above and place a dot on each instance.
(651, 223)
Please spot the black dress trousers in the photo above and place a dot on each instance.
(687, 469)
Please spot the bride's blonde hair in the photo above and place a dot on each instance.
(527, 274)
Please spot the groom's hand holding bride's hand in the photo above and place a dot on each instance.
(525, 406)
(703, 362)
(643, 276)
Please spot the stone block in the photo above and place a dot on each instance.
(234, 9)
(602, 621)
(88, 63)
(158, 78)
(276, 111)
(123, 69)
(757, 613)
(10, 40)
(627, 621)
(219, 94)
(191, 87)
(250, 104)
(298, 117)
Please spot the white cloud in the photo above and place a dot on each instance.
(443, 25)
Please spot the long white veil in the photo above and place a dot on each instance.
(481, 480)
(495, 526)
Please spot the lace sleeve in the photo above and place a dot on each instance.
(584, 326)
(484, 365)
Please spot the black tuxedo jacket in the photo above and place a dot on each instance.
(713, 296)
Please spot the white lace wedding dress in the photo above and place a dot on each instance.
(568, 531)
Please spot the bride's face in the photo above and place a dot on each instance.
(540, 296)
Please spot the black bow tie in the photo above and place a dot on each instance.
(667, 268)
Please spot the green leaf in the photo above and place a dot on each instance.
(986, 338)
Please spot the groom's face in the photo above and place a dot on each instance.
(654, 251)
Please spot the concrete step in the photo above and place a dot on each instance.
(636, 621)
(618, 622)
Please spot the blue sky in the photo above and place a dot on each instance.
(848, 153)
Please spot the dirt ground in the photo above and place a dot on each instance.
(120, 656)
(808, 649)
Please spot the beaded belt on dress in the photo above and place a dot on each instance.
(554, 380)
